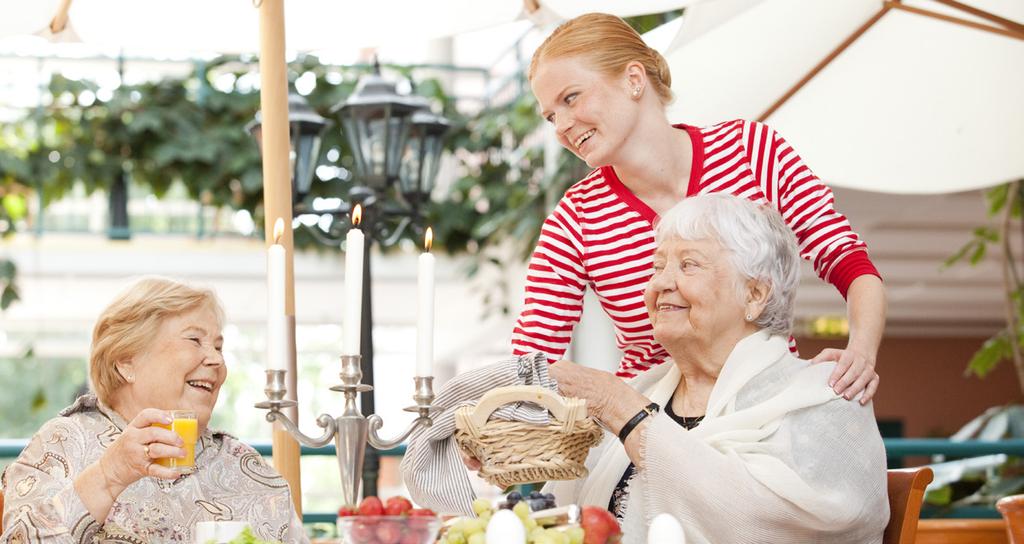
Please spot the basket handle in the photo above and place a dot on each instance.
(496, 398)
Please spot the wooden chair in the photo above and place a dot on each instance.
(906, 492)
(961, 531)
(1012, 509)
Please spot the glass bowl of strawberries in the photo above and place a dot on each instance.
(394, 521)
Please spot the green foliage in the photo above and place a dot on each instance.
(1001, 346)
(42, 388)
(13, 209)
(991, 353)
(974, 250)
(189, 130)
(503, 194)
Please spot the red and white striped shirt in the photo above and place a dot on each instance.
(602, 236)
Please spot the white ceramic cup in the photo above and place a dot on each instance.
(218, 531)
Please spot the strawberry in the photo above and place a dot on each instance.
(599, 526)
(397, 506)
(371, 506)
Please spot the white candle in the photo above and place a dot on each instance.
(277, 323)
(353, 286)
(425, 311)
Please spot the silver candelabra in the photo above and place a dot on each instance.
(351, 431)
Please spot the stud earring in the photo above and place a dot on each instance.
(750, 317)
(636, 91)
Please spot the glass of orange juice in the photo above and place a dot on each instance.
(186, 424)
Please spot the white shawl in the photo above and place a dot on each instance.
(778, 457)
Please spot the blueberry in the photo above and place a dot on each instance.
(536, 495)
(537, 504)
(514, 496)
(550, 496)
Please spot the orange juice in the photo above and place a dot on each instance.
(186, 425)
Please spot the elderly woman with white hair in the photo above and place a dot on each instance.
(91, 474)
(735, 436)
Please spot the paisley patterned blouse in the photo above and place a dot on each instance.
(231, 482)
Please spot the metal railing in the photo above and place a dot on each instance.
(895, 448)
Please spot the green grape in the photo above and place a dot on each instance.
(473, 526)
(456, 536)
(529, 523)
(522, 510)
(481, 505)
(575, 535)
(558, 536)
(534, 534)
(486, 516)
(477, 538)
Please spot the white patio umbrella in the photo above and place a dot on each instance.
(229, 26)
(916, 96)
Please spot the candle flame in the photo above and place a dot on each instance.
(428, 239)
(278, 230)
(357, 215)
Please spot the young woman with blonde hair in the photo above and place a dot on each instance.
(605, 92)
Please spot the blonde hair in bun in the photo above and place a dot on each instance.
(609, 45)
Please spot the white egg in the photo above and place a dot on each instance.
(505, 528)
(665, 529)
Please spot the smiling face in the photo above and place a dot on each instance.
(692, 298)
(182, 368)
(593, 114)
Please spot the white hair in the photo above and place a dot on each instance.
(760, 246)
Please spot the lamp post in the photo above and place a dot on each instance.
(396, 142)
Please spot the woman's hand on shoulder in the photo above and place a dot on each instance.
(133, 455)
(854, 372)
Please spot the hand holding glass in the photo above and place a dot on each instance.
(186, 425)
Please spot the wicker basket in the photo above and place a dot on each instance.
(514, 452)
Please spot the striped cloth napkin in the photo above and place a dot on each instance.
(432, 467)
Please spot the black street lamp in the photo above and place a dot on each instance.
(396, 142)
(423, 155)
(306, 128)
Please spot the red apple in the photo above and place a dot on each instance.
(421, 513)
(371, 506)
(346, 511)
(599, 526)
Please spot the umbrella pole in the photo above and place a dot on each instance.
(277, 203)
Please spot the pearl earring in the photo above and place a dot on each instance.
(636, 91)
(750, 317)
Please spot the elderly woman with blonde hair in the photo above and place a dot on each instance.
(91, 473)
